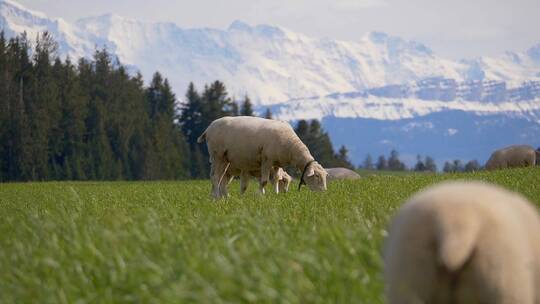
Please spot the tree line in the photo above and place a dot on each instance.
(393, 163)
(423, 164)
(200, 109)
(92, 120)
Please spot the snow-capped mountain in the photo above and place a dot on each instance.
(388, 92)
(16, 19)
(271, 64)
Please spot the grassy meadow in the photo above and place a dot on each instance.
(168, 242)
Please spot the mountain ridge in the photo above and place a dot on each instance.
(270, 63)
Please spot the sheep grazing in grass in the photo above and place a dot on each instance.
(278, 177)
(512, 156)
(341, 173)
(284, 180)
(251, 144)
(464, 242)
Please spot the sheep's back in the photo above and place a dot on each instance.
(243, 139)
(494, 217)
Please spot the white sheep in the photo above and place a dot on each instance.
(248, 144)
(464, 242)
(341, 173)
(284, 180)
(278, 177)
(512, 156)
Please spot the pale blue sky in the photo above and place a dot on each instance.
(452, 28)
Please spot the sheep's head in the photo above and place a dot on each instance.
(315, 177)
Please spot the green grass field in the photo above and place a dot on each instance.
(168, 242)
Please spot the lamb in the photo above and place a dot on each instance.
(512, 156)
(283, 180)
(464, 242)
(341, 173)
(248, 144)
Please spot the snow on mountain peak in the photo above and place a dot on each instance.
(263, 31)
(238, 25)
(9, 6)
(534, 52)
(271, 64)
(396, 44)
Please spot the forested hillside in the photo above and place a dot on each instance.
(93, 120)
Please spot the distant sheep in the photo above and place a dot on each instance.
(248, 144)
(341, 173)
(464, 242)
(512, 156)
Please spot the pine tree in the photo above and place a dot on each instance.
(268, 114)
(197, 115)
(234, 111)
(382, 164)
(103, 165)
(457, 166)
(368, 163)
(318, 143)
(171, 152)
(247, 108)
(430, 164)
(73, 106)
(20, 143)
(302, 129)
(447, 167)
(191, 119)
(44, 110)
(472, 166)
(193, 124)
(4, 110)
(342, 158)
(420, 166)
(394, 163)
(216, 103)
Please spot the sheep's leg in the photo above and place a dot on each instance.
(218, 168)
(275, 180)
(223, 187)
(244, 181)
(261, 186)
(214, 191)
(282, 186)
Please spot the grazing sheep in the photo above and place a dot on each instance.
(341, 173)
(464, 242)
(512, 156)
(250, 144)
(283, 180)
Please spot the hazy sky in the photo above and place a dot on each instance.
(452, 28)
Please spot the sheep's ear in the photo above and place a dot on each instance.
(310, 171)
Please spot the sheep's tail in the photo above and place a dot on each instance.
(223, 174)
(456, 242)
(202, 138)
